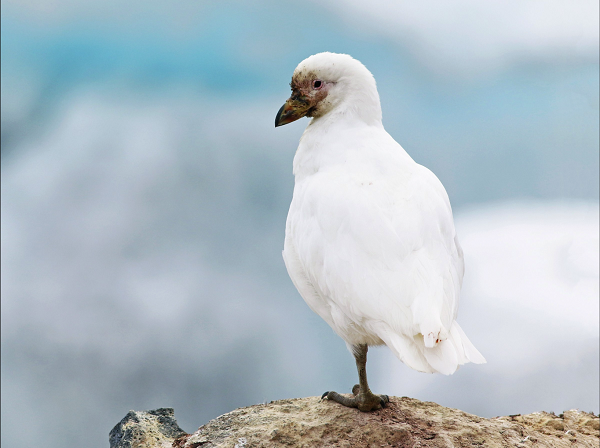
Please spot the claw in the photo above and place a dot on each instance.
(384, 400)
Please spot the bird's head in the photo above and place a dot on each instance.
(328, 82)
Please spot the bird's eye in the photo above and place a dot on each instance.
(317, 84)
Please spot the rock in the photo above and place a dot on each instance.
(151, 429)
(405, 422)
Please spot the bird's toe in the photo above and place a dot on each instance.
(384, 400)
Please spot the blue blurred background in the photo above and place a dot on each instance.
(145, 192)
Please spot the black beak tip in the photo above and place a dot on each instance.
(278, 117)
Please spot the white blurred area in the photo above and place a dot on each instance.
(471, 38)
(530, 304)
(540, 259)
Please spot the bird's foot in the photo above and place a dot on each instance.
(364, 401)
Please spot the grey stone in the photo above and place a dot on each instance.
(146, 429)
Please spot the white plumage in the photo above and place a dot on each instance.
(370, 242)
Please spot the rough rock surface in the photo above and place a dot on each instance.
(151, 429)
(405, 422)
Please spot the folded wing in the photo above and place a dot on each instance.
(378, 259)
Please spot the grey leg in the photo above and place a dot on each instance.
(363, 398)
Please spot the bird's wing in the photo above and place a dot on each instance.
(379, 249)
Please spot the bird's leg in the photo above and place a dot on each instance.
(363, 398)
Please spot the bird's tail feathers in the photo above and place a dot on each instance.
(464, 345)
(447, 355)
(444, 357)
(406, 351)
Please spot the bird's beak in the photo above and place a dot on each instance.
(294, 108)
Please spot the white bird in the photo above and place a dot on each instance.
(370, 242)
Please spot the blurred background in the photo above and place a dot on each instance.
(145, 192)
